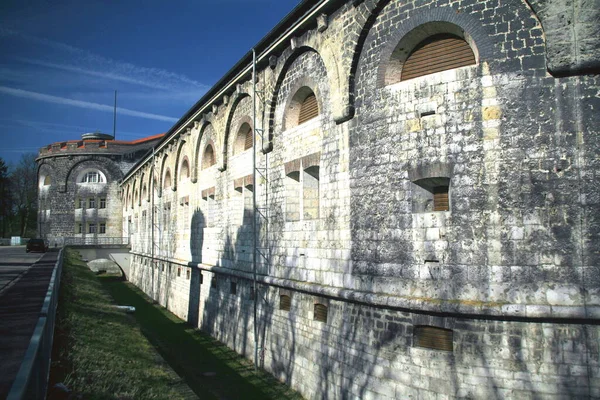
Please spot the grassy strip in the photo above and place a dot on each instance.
(206, 364)
(99, 352)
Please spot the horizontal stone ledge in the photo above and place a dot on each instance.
(468, 308)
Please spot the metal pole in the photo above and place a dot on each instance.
(152, 220)
(115, 118)
(254, 188)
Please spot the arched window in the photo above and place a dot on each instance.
(430, 48)
(208, 158)
(92, 177)
(145, 191)
(243, 140)
(437, 53)
(303, 107)
(309, 109)
(167, 182)
(184, 171)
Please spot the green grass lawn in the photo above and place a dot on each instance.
(207, 365)
(102, 353)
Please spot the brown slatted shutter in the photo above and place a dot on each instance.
(431, 337)
(248, 140)
(437, 53)
(320, 312)
(440, 198)
(285, 302)
(309, 109)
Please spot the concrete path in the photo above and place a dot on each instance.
(24, 281)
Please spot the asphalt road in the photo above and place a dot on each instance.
(14, 262)
(24, 282)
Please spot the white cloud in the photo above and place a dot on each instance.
(82, 104)
(85, 62)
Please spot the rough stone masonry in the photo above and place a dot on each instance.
(428, 205)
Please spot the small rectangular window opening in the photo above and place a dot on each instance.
(188, 274)
(320, 312)
(178, 272)
(427, 113)
(285, 302)
(434, 338)
(233, 288)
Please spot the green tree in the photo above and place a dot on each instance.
(23, 181)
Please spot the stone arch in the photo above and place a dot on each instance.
(476, 31)
(228, 128)
(184, 167)
(178, 163)
(161, 176)
(206, 126)
(110, 170)
(306, 80)
(133, 193)
(45, 171)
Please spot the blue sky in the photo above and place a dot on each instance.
(62, 60)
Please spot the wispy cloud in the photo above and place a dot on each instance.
(85, 62)
(82, 104)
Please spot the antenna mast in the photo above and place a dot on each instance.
(115, 118)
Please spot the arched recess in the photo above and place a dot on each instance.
(209, 155)
(143, 187)
(228, 128)
(110, 170)
(305, 81)
(476, 31)
(177, 163)
(206, 129)
(45, 174)
(183, 171)
(163, 168)
(133, 193)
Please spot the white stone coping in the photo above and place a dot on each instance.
(466, 307)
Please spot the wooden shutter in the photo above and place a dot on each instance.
(285, 302)
(437, 53)
(320, 312)
(248, 140)
(432, 337)
(440, 198)
(309, 109)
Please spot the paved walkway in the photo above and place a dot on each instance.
(24, 287)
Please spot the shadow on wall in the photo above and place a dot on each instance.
(197, 225)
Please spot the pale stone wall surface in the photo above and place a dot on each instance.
(511, 269)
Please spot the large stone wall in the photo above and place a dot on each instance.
(510, 270)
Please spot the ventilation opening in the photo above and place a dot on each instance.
(437, 53)
(188, 274)
(427, 113)
(208, 158)
(431, 337)
(243, 140)
(285, 302)
(233, 288)
(320, 312)
(431, 194)
(309, 109)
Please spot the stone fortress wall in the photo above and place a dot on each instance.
(70, 207)
(430, 237)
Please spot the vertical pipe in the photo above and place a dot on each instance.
(255, 187)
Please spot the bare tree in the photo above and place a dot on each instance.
(23, 181)
(6, 205)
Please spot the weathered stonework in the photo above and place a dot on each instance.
(64, 200)
(510, 269)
